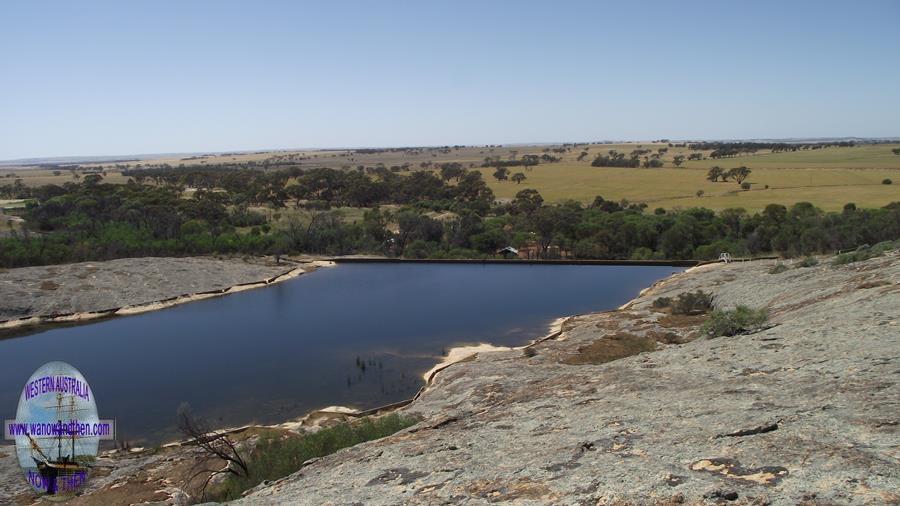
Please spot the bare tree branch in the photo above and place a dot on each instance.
(213, 443)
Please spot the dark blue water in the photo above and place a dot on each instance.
(357, 335)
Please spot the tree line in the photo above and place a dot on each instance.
(730, 149)
(420, 215)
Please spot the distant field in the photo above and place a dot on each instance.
(860, 157)
(39, 177)
(670, 188)
(829, 177)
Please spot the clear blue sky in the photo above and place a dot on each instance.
(107, 78)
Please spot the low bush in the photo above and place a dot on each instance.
(733, 322)
(865, 252)
(885, 246)
(662, 302)
(778, 268)
(686, 303)
(692, 303)
(277, 457)
(886, 181)
(808, 262)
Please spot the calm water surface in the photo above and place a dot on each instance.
(359, 335)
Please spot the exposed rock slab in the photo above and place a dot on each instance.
(803, 412)
(89, 287)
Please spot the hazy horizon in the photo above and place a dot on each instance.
(108, 157)
(201, 77)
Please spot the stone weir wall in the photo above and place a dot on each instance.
(634, 407)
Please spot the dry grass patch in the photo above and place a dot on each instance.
(679, 321)
(873, 284)
(49, 285)
(609, 348)
(667, 337)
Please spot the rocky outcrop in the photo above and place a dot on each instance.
(83, 291)
(633, 407)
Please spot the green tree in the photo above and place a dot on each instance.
(739, 174)
(715, 172)
(527, 201)
(451, 170)
(530, 161)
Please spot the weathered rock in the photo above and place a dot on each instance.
(35, 292)
(805, 410)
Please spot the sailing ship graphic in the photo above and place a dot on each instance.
(62, 461)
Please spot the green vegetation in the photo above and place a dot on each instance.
(808, 262)
(866, 252)
(275, 457)
(616, 159)
(688, 303)
(778, 268)
(662, 302)
(692, 303)
(737, 174)
(732, 322)
(423, 214)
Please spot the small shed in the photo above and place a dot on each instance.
(508, 252)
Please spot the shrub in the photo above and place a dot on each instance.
(692, 303)
(643, 253)
(886, 181)
(733, 322)
(778, 268)
(745, 186)
(861, 253)
(276, 457)
(885, 246)
(808, 262)
(243, 217)
(662, 302)
(713, 250)
(865, 252)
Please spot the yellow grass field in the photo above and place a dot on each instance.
(829, 178)
(673, 188)
(39, 177)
